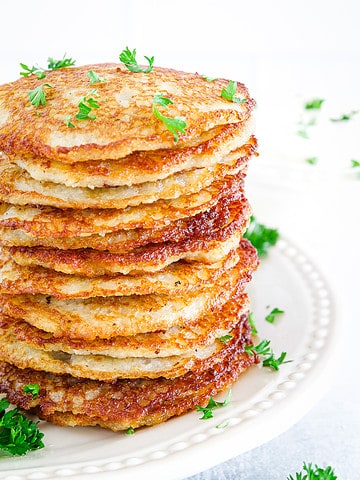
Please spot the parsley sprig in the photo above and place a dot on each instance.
(314, 473)
(263, 349)
(345, 117)
(174, 125)
(275, 312)
(86, 105)
(94, 77)
(37, 96)
(18, 434)
(229, 93)
(128, 58)
(261, 237)
(212, 405)
(314, 104)
(33, 389)
(52, 65)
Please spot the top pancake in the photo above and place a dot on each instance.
(124, 120)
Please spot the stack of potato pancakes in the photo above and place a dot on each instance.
(123, 263)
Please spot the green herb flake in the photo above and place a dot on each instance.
(314, 473)
(230, 91)
(275, 312)
(314, 104)
(94, 77)
(261, 237)
(223, 424)
(312, 160)
(18, 434)
(355, 163)
(62, 63)
(128, 58)
(33, 389)
(174, 125)
(261, 348)
(345, 117)
(212, 405)
(251, 321)
(273, 362)
(34, 70)
(130, 431)
(37, 96)
(86, 105)
(264, 350)
(68, 122)
(209, 79)
(225, 338)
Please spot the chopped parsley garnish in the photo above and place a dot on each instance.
(355, 163)
(209, 79)
(314, 104)
(314, 473)
(86, 105)
(261, 237)
(68, 122)
(230, 91)
(303, 131)
(33, 389)
(345, 117)
(251, 321)
(94, 77)
(174, 125)
(34, 70)
(264, 350)
(225, 338)
(128, 58)
(275, 312)
(273, 362)
(37, 96)
(18, 434)
(63, 63)
(261, 348)
(52, 65)
(311, 160)
(130, 431)
(212, 405)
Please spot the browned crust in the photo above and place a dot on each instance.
(111, 135)
(222, 318)
(230, 213)
(127, 403)
(56, 222)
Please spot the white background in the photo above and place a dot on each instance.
(287, 53)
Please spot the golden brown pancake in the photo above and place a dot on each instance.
(173, 340)
(17, 187)
(124, 120)
(65, 400)
(140, 167)
(153, 258)
(55, 222)
(109, 368)
(228, 215)
(178, 278)
(106, 317)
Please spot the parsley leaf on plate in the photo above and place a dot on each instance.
(261, 237)
(18, 434)
(314, 104)
(270, 317)
(213, 404)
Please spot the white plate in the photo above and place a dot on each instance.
(264, 402)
